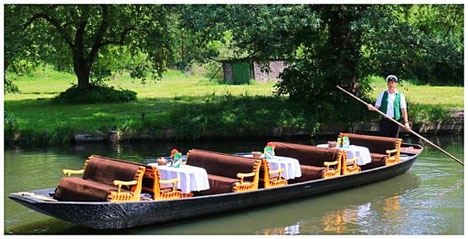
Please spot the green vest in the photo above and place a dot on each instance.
(396, 105)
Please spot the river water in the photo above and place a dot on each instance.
(427, 200)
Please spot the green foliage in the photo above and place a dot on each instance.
(61, 135)
(419, 42)
(329, 45)
(94, 94)
(11, 127)
(83, 38)
(189, 122)
(9, 86)
(423, 113)
(237, 116)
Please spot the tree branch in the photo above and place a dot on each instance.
(122, 37)
(54, 22)
(99, 34)
(80, 30)
(98, 43)
(453, 26)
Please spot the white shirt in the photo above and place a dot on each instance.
(391, 98)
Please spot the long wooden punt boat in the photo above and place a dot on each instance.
(118, 215)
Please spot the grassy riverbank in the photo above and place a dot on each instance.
(190, 107)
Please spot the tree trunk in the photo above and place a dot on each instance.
(82, 71)
(346, 44)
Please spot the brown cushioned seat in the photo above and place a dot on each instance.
(106, 171)
(78, 189)
(150, 182)
(222, 169)
(148, 178)
(377, 146)
(377, 161)
(220, 184)
(311, 159)
(97, 182)
(309, 173)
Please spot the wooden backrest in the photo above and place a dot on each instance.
(105, 171)
(375, 144)
(306, 154)
(220, 164)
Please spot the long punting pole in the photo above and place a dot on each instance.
(398, 123)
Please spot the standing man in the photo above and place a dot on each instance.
(393, 104)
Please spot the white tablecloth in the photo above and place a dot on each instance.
(362, 153)
(292, 168)
(191, 178)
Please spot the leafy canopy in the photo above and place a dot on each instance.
(91, 39)
(328, 45)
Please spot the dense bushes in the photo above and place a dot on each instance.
(230, 116)
(95, 94)
(11, 127)
(221, 116)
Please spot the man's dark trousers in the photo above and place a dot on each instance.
(389, 128)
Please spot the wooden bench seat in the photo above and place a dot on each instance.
(384, 150)
(152, 182)
(103, 180)
(226, 172)
(315, 162)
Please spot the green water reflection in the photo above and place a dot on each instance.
(428, 199)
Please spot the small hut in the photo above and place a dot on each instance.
(241, 71)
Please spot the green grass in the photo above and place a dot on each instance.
(32, 108)
(446, 96)
(190, 105)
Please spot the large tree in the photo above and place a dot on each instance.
(330, 45)
(79, 35)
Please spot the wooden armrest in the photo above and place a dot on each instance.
(391, 151)
(278, 171)
(354, 160)
(328, 164)
(243, 175)
(126, 183)
(69, 172)
(174, 181)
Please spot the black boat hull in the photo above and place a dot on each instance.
(107, 215)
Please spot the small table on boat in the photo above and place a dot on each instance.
(292, 168)
(191, 178)
(362, 153)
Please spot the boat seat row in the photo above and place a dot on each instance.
(228, 173)
(383, 150)
(317, 162)
(108, 179)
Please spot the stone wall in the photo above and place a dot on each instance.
(276, 67)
